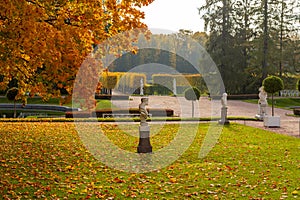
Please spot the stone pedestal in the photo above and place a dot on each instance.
(144, 142)
(224, 119)
(262, 111)
(272, 121)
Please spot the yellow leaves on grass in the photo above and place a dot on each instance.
(48, 160)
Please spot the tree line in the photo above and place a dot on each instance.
(251, 39)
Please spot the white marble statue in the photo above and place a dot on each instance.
(262, 103)
(224, 100)
(174, 87)
(141, 87)
(143, 111)
(262, 96)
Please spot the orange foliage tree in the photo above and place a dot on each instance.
(44, 42)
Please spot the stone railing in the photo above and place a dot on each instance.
(289, 93)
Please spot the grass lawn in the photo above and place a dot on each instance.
(280, 102)
(48, 160)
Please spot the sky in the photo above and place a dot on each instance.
(174, 15)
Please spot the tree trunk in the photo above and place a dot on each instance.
(272, 104)
(15, 112)
(281, 39)
(266, 40)
(192, 108)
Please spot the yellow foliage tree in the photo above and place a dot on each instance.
(44, 42)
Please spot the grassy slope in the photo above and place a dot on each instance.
(41, 160)
(280, 102)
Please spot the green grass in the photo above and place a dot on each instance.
(48, 160)
(104, 104)
(280, 102)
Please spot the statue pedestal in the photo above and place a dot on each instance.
(144, 142)
(224, 119)
(262, 112)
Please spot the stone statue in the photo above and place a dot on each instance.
(262, 96)
(143, 111)
(144, 130)
(141, 87)
(224, 100)
(262, 103)
(224, 119)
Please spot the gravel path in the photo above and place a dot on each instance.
(206, 108)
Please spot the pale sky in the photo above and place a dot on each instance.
(174, 15)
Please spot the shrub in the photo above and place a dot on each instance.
(12, 93)
(11, 96)
(192, 94)
(156, 112)
(130, 82)
(271, 85)
(109, 81)
(165, 80)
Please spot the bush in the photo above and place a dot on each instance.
(192, 94)
(130, 82)
(109, 80)
(12, 93)
(164, 82)
(296, 111)
(272, 84)
(156, 112)
(163, 79)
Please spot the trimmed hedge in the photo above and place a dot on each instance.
(192, 94)
(273, 84)
(100, 113)
(109, 80)
(296, 111)
(242, 96)
(109, 97)
(237, 96)
(163, 83)
(130, 82)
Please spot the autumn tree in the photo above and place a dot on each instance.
(43, 43)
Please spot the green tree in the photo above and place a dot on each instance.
(192, 94)
(273, 84)
(222, 44)
(250, 39)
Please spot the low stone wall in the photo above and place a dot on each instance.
(101, 113)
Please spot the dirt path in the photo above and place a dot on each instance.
(207, 108)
